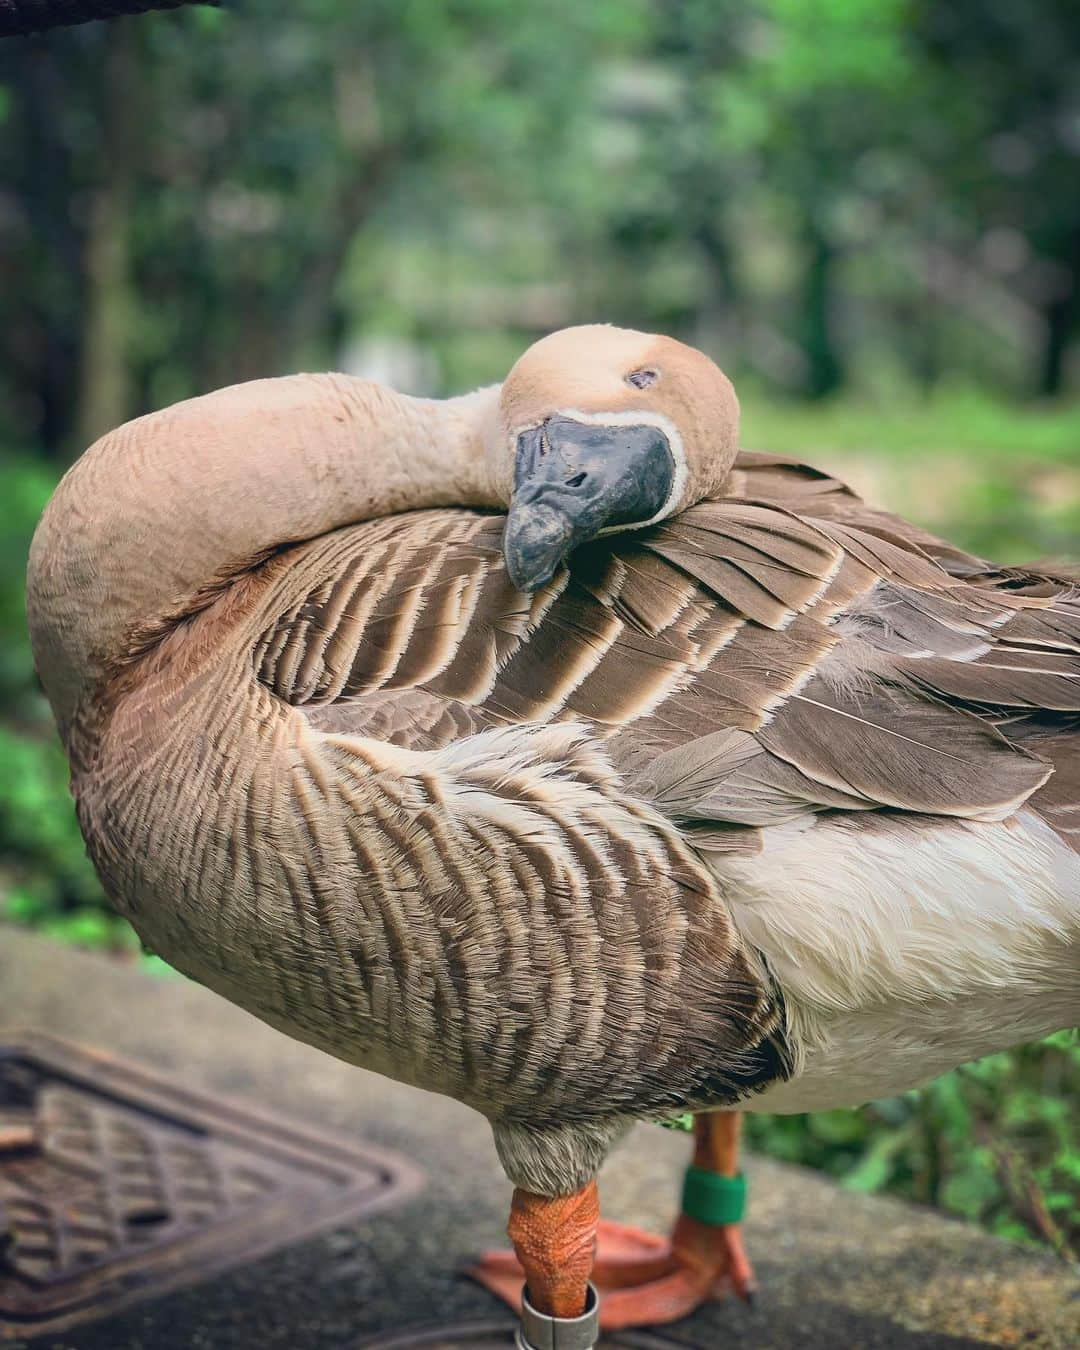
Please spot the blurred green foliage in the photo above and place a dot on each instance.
(866, 209)
(999, 479)
(831, 195)
(46, 879)
(995, 1141)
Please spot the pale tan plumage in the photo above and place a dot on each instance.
(347, 775)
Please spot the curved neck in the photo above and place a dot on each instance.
(180, 500)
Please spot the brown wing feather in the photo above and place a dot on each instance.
(786, 651)
(894, 748)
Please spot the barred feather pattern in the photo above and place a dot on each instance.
(484, 912)
(461, 835)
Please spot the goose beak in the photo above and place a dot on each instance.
(574, 480)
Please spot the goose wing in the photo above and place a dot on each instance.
(764, 656)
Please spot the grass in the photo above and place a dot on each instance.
(1000, 480)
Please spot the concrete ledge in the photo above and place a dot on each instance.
(836, 1270)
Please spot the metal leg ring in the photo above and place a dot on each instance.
(540, 1332)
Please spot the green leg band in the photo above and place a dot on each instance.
(712, 1198)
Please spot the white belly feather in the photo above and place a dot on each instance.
(907, 945)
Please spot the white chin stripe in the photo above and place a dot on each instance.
(629, 418)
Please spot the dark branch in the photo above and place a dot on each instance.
(20, 17)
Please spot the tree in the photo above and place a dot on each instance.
(1011, 152)
(208, 217)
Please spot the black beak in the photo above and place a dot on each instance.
(574, 479)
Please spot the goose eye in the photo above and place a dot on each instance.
(641, 379)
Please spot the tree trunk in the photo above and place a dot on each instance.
(720, 311)
(1058, 316)
(44, 274)
(19, 17)
(107, 388)
(825, 372)
(1062, 315)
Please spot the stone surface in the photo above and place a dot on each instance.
(836, 1270)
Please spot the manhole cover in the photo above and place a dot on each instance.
(115, 1185)
(500, 1336)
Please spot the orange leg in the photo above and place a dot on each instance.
(643, 1280)
(555, 1242)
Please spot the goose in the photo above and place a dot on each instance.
(542, 748)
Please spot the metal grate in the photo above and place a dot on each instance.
(115, 1185)
(499, 1336)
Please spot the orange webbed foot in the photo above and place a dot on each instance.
(643, 1279)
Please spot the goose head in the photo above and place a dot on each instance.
(609, 429)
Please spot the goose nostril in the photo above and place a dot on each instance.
(577, 480)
